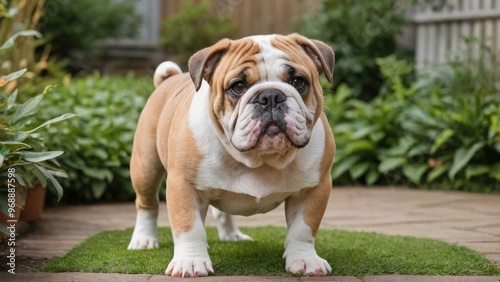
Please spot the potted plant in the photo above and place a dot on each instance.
(24, 160)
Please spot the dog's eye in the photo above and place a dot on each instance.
(238, 88)
(298, 83)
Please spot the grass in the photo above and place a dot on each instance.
(349, 253)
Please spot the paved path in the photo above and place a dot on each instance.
(471, 220)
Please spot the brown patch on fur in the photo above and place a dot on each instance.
(301, 61)
(239, 58)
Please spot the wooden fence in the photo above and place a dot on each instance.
(253, 16)
(441, 30)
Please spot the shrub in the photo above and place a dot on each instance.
(195, 28)
(97, 144)
(442, 132)
(74, 28)
(359, 32)
(24, 158)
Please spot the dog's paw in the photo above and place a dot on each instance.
(145, 234)
(308, 266)
(234, 236)
(190, 267)
(143, 242)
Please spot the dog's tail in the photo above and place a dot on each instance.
(164, 71)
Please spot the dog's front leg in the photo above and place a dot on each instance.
(186, 212)
(304, 212)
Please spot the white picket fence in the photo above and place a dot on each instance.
(441, 29)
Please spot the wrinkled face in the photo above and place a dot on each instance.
(265, 97)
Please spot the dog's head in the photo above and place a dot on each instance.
(265, 95)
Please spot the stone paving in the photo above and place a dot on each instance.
(471, 220)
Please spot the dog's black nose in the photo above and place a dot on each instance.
(269, 98)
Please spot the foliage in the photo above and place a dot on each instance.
(195, 28)
(98, 144)
(359, 32)
(73, 28)
(23, 155)
(439, 132)
(18, 18)
(350, 253)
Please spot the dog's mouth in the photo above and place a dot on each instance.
(272, 130)
(272, 136)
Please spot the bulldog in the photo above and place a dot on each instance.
(242, 132)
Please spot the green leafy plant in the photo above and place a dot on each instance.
(98, 144)
(359, 32)
(73, 28)
(195, 28)
(456, 123)
(363, 130)
(442, 131)
(23, 155)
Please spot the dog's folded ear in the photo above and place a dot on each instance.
(203, 63)
(322, 54)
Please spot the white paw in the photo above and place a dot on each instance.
(143, 242)
(308, 266)
(145, 234)
(234, 236)
(197, 266)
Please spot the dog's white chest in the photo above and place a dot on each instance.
(263, 186)
(242, 204)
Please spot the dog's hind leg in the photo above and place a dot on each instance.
(146, 173)
(227, 228)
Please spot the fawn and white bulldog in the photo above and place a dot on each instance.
(243, 131)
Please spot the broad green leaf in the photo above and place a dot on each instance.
(19, 137)
(39, 176)
(2, 158)
(358, 169)
(390, 164)
(359, 146)
(39, 156)
(101, 173)
(494, 127)
(441, 139)
(414, 172)
(25, 109)
(372, 176)
(419, 149)
(342, 166)
(11, 100)
(98, 189)
(13, 38)
(362, 132)
(495, 171)
(437, 172)
(462, 157)
(54, 120)
(55, 183)
(15, 146)
(15, 75)
(475, 170)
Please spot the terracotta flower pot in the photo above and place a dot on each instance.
(35, 202)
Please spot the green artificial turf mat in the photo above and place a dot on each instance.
(349, 253)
